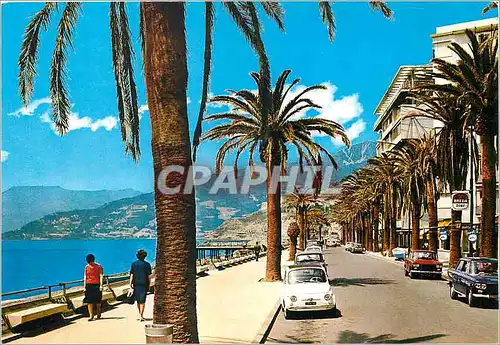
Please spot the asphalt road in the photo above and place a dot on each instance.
(378, 304)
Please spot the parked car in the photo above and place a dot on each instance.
(399, 253)
(313, 249)
(356, 248)
(474, 278)
(306, 288)
(310, 256)
(422, 263)
(348, 245)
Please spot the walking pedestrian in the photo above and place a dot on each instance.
(140, 280)
(256, 251)
(92, 284)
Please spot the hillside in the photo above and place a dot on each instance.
(21, 205)
(130, 217)
(228, 215)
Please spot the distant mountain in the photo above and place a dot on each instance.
(134, 216)
(21, 205)
(129, 217)
(353, 158)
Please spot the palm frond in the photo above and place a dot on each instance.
(275, 11)
(327, 17)
(209, 23)
(29, 50)
(61, 105)
(490, 6)
(378, 5)
(123, 55)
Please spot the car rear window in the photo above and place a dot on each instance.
(487, 267)
(424, 255)
(309, 257)
(306, 275)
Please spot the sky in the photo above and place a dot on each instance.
(356, 69)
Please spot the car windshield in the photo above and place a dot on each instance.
(424, 255)
(487, 267)
(309, 257)
(306, 275)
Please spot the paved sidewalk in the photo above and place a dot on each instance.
(232, 307)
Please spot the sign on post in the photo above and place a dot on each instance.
(459, 201)
(473, 237)
(443, 236)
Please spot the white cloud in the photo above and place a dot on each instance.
(76, 122)
(30, 109)
(342, 110)
(352, 132)
(5, 155)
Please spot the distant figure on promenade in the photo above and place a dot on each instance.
(92, 284)
(140, 273)
(256, 251)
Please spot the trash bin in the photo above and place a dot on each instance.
(159, 334)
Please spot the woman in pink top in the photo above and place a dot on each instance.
(92, 283)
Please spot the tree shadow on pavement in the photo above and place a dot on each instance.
(342, 282)
(349, 337)
(314, 315)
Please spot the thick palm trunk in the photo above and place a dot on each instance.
(432, 211)
(415, 227)
(273, 262)
(165, 69)
(293, 248)
(386, 238)
(301, 222)
(455, 235)
(375, 218)
(393, 223)
(488, 208)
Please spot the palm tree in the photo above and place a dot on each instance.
(316, 217)
(243, 131)
(474, 80)
(405, 159)
(387, 180)
(162, 30)
(427, 162)
(452, 150)
(301, 201)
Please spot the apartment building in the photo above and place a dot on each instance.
(398, 118)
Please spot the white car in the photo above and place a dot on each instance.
(348, 245)
(314, 249)
(306, 288)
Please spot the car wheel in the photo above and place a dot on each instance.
(453, 293)
(471, 300)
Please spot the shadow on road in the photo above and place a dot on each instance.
(353, 337)
(342, 282)
(314, 315)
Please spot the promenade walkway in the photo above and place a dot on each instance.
(233, 305)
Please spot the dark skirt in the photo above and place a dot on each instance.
(93, 294)
(140, 292)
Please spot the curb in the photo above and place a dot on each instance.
(267, 325)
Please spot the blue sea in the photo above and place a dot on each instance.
(28, 264)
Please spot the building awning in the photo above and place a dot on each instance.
(444, 223)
